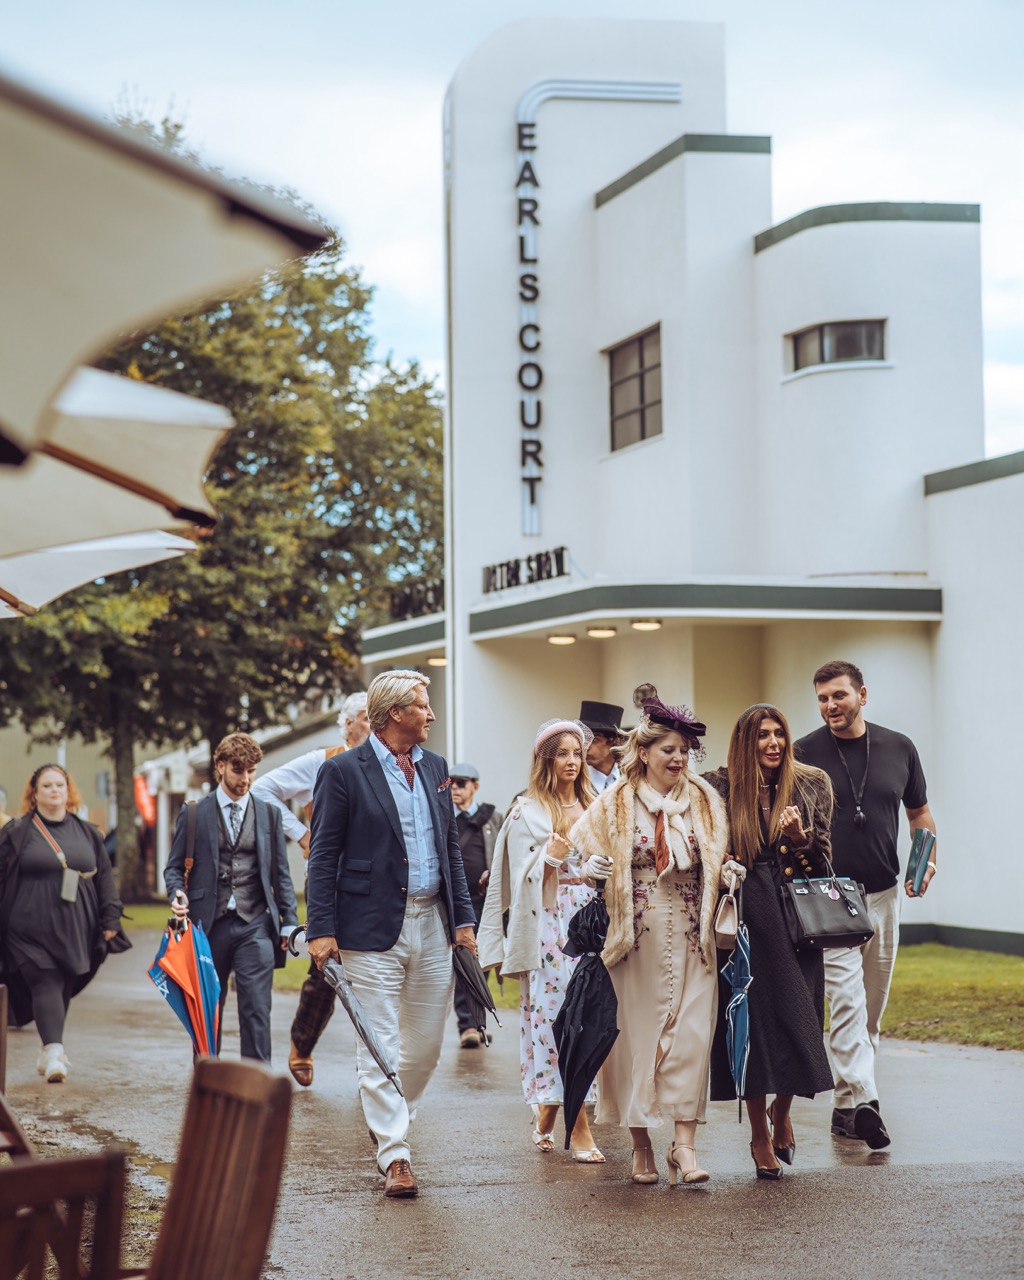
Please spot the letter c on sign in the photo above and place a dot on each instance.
(530, 376)
(528, 331)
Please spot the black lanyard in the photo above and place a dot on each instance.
(860, 818)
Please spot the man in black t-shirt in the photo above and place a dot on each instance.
(873, 770)
(478, 826)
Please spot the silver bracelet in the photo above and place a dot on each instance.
(933, 866)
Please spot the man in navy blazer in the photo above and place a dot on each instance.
(239, 887)
(387, 895)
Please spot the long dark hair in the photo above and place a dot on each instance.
(745, 779)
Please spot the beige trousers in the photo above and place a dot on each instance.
(857, 988)
(407, 993)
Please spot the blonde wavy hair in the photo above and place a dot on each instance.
(543, 784)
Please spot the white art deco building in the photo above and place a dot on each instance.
(689, 446)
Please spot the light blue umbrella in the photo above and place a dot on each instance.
(736, 971)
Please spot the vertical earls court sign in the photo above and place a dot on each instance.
(530, 374)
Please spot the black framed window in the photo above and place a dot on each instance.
(634, 370)
(840, 341)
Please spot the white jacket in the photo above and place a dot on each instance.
(516, 886)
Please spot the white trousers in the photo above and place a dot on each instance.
(407, 993)
(857, 987)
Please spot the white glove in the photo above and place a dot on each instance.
(732, 868)
(598, 867)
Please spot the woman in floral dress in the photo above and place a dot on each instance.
(536, 878)
(659, 838)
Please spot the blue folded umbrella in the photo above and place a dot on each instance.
(736, 971)
(168, 988)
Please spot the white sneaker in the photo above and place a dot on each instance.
(41, 1060)
(56, 1068)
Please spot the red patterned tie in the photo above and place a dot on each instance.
(662, 852)
(405, 763)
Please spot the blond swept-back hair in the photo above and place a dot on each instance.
(745, 777)
(543, 785)
(391, 689)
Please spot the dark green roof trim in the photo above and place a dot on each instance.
(1008, 464)
(429, 631)
(719, 143)
(951, 935)
(652, 597)
(880, 211)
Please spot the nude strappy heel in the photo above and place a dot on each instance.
(676, 1171)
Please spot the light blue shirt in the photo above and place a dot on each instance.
(602, 781)
(414, 815)
(470, 811)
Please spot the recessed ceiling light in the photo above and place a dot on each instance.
(645, 624)
(437, 662)
(601, 633)
(561, 639)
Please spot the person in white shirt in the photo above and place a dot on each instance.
(295, 781)
(603, 720)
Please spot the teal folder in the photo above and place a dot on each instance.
(920, 852)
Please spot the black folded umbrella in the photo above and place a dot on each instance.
(472, 981)
(586, 1026)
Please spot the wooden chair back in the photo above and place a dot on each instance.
(43, 1210)
(14, 1141)
(220, 1209)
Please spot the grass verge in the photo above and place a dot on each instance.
(938, 993)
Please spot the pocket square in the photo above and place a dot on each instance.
(444, 785)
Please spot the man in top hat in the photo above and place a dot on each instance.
(603, 720)
(478, 826)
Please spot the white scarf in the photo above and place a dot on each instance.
(674, 806)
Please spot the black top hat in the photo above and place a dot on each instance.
(602, 717)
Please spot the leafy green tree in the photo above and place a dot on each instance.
(328, 493)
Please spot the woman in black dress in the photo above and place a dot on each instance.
(58, 909)
(780, 815)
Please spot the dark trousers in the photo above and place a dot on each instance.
(248, 951)
(50, 990)
(463, 1008)
(316, 1004)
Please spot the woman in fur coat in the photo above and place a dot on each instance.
(780, 816)
(536, 878)
(659, 837)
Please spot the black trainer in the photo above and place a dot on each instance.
(842, 1122)
(869, 1127)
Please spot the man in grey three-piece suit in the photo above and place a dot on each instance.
(239, 887)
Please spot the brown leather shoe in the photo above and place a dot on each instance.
(399, 1181)
(300, 1067)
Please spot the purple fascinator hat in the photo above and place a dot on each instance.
(680, 718)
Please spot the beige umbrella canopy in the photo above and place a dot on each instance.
(122, 457)
(102, 234)
(29, 581)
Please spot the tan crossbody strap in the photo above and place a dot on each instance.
(86, 875)
(190, 838)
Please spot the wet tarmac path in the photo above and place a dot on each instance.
(947, 1199)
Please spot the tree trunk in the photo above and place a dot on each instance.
(129, 869)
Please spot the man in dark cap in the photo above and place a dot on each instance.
(603, 720)
(478, 826)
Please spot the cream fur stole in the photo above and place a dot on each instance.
(608, 827)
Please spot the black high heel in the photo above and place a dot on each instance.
(771, 1175)
(785, 1154)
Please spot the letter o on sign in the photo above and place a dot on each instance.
(530, 376)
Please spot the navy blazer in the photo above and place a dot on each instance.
(358, 872)
(271, 852)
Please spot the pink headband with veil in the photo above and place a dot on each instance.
(555, 728)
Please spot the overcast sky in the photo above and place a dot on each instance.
(884, 100)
